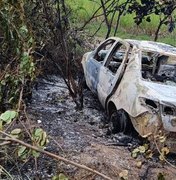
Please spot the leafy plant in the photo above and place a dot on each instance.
(16, 47)
(142, 150)
(39, 139)
(7, 117)
(61, 176)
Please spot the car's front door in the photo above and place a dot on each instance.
(111, 71)
(95, 62)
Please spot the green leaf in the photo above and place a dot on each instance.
(7, 76)
(43, 142)
(55, 177)
(8, 116)
(62, 177)
(17, 51)
(21, 150)
(5, 116)
(134, 155)
(3, 82)
(142, 149)
(30, 40)
(13, 114)
(35, 153)
(162, 139)
(16, 131)
(23, 30)
(38, 132)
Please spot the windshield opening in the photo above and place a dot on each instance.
(159, 68)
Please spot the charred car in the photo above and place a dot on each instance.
(136, 83)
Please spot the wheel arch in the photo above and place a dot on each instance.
(111, 107)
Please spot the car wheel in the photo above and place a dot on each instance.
(119, 122)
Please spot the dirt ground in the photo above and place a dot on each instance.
(81, 137)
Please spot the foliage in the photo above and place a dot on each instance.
(145, 8)
(34, 35)
(16, 46)
(39, 139)
(144, 150)
(59, 43)
(159, 141)
(147, 15)
(38, 136)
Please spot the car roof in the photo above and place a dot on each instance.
(161, 48)
(158, 47)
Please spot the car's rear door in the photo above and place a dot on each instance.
(112, 70)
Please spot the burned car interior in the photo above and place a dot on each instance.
(116, 56)
(158, 68)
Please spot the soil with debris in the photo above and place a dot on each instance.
(80, 135)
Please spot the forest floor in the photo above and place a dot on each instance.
(80, 135)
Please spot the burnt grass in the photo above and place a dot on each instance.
(79, 135)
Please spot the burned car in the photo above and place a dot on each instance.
(136, 83)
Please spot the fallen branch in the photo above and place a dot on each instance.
(57, 157)
(163, 156)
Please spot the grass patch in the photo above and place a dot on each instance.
(82, 10)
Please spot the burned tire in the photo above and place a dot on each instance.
(119, 122)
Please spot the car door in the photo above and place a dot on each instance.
(95, 62)
(112, 69)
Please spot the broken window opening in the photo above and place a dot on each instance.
(151, 103)
(116, 58)
(158, 68)
(103, 50)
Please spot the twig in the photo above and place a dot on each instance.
(5, 171)
(5, 143)
(163, 155)
(57, 157)
(20, 99)
(52, 84)
(57, 143)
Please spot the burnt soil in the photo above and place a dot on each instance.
(81, 136)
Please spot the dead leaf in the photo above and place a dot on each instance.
(142, 149)
(123, 175)
(139, 164)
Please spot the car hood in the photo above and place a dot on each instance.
(165, 94)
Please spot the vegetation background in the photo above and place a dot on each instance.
(83, 10)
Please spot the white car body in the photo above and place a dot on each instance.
(148, 96)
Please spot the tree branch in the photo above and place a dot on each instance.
(57, 157)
